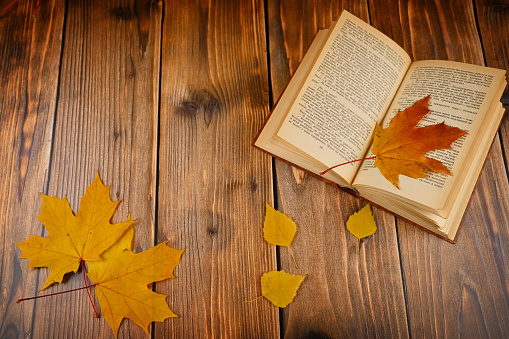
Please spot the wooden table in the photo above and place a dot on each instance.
(163, 99)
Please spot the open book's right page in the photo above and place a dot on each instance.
(463, 96)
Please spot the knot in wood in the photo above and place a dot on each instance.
(253, 186)
(121, 13)
(190, 108)
(205, 103)
(212, 231)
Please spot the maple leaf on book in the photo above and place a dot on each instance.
(400, 148)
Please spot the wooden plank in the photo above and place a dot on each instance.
(213, 184)
(349, 291)
(492, 17)
(454, 290)
(30, 51)
(106, 122)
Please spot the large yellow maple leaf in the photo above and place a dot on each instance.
(401, 147)
(73, 238)
(121, 282)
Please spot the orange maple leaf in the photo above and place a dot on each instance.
(73, 239)
(401, 147)
(121, 282)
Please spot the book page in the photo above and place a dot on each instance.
(268, 140)
(349, 89)
(463, 96)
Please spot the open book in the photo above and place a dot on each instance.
(354, 76)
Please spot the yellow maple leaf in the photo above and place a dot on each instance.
(279, 229)
(401, 147)
(362, 223)
(121, 282)
(72, 239)
(280, 287)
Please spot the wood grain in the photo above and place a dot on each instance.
(349, 291)
(493, 17)
(30, 53)
(106, 122)
(213, 184)
(454, 290)
(164, 100)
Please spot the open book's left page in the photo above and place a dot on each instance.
(268, 140)
(348, 89)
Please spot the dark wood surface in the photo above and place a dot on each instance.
(163, 99)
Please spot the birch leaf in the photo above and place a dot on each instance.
(279, 229)
(362, 223)
(280, 287)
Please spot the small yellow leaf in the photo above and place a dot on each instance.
(280, 287)
(278, 229)
(362, 224)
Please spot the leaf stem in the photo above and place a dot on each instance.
(88, 292)
(346, 163)
(36, 8)
(6, 8)
(13, 2)
(56, 293)
(250, 301)
(293, 257)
